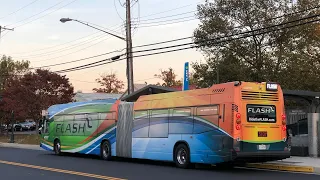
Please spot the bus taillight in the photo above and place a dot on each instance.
(284, 128)
(283, 117)
(238, 121)
(238, 115)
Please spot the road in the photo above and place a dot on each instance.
(33, 164)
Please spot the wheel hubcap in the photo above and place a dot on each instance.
(57, 147)
(182, 156)
(106, 151)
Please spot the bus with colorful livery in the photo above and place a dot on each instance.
(224, 124)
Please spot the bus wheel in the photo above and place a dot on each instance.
(182, 156)
(105, 150)
(57, 147)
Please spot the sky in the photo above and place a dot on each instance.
(42, 39)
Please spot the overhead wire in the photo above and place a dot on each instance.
(78, 60)
(23, 7)
(47, 14)
(69, 47)
(60, 2)
(191, 47)
(179, 39)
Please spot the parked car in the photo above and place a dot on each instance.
(16, 127)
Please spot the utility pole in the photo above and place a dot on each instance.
(4, 28)
(129, 49)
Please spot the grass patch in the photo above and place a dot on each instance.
(22, 139)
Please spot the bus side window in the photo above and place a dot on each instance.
(141, 124)
(159, 123)
(181, 121)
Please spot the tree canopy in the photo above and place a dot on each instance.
(290, 56)
(168, 77)
(109, 84)
(32, 92)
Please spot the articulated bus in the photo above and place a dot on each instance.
(224, 124)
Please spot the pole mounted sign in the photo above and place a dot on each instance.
(44, 112)
(186, 77)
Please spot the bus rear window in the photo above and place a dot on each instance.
(261, 113)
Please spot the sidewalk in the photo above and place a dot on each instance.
(21, 146)
(293, 164)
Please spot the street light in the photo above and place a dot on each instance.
(129, 47)
(64, 20)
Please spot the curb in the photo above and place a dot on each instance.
(21, 146)
(281, 167)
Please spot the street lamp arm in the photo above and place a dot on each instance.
(100, 29)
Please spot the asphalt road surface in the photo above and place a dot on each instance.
(17, 164)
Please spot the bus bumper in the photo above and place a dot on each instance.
(261, 156)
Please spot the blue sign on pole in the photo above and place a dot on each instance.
(186, 77)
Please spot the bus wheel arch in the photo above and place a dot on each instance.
(105, 149)
(57, 146)
(181, 154)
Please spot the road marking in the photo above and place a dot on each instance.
(272, 170)
(281, 167)
(60, 170)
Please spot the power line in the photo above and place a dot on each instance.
(41, 16)
(37, 13)
(241, 33)
(68, 48)
(164, 24)
(191, 37)
(78, 60)
(181, 7)
(64, 48)
(162, 17)
(109, 59)
(23, 7)
(169, 20)
(172, 41)
(191, 47)
(47, 13)
(73, 52)
(50, 47)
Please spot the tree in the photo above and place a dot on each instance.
(35, 91)
(287, 56)
(169, 78)
(109, 83)
(9, 67)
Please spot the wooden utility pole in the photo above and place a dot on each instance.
(129, 49)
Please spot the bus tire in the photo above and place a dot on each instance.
(57, 147)
(105, 150)
(182, 156)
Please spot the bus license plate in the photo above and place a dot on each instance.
(262, 147)
(262, 134)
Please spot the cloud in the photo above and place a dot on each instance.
(53, 37)
(76, 10)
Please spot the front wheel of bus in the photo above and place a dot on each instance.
(182, 156)
(57, 147)
(105, 150)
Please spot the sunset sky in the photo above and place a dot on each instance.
(42, 39)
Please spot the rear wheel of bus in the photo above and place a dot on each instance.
(182, 156)
(105, 150)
